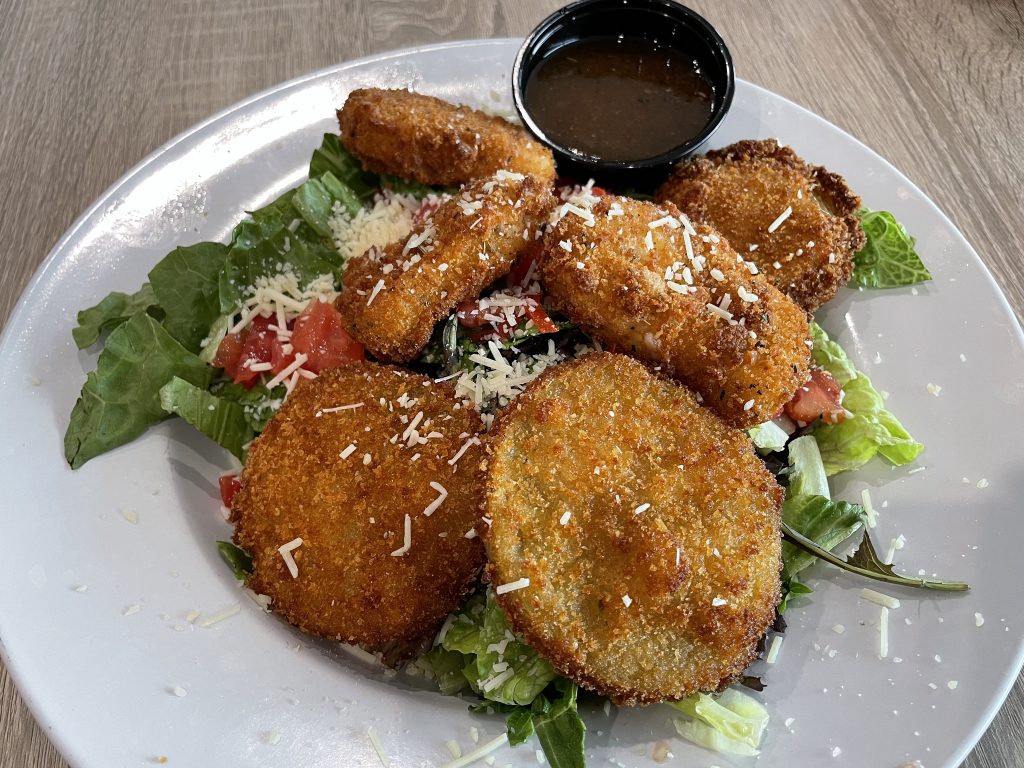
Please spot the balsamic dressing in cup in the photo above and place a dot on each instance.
(621, 90)
(620, 98)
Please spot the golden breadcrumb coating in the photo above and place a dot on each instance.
(629, 280)
(350, 512)
(392, 299)
(434, 142)
(649, 531)
(742, 189)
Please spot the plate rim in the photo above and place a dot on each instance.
(51, 727)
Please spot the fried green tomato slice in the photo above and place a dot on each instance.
(643, 280)
(647, 528)
(392, 298)
(434, 142)
(376, 471)
(797, 222)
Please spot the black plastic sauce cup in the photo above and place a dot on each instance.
(667, 22)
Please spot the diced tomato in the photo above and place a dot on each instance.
(540, 318)
(229, 353)
(256, 344)
(566, 184)
(426, 209)
(521, 268)
(318, 333)
(819, 397)
(229, 486)
(470, 315)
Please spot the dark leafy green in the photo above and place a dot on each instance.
(559, 728)
(185, 284)
(270, 257)
(315, 202)
(864, 562)
(122, 396)
(888, 258)
(519, 726)
(237, 559)
(115, 309)
(334, 158)
(258, 403)
(274, 216)
(223, 421)
(791, 588)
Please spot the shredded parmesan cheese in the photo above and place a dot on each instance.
(512, 586)
(286, 555)
(371, 732)
(407, 538)
(782, 217)
(442, 494)
(479, 753)
(773, 650)
(219, 616)
(878, 598)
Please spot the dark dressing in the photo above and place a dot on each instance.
(619, 99)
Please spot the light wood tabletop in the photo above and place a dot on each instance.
(89, 88)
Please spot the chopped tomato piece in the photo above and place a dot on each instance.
(818, 397)
(521, 268)
(261, 346)
(229, 486)
(540, 318)
(229, 353)
(318, 333)
(426, 210)
(256, 344)
(470, 315)
(565, 184)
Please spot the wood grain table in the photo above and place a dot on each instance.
(89, 87)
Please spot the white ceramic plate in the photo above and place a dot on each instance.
(101, 682)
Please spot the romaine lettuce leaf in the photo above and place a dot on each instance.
(275, 215)
(223, 421)
(827, 523)
(768, 437)
(334, 158)
(888, 258)
(730, 722)
(870, 428)
(294, 230)
(115, 309)
(806, 470)
(315, 201)
(279, 252)
(481, 633)
(122, 396)
(445, 668)
(185, 283)
(830, 356)
(809, 511)
(258, 403)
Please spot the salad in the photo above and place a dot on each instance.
(222, 334)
